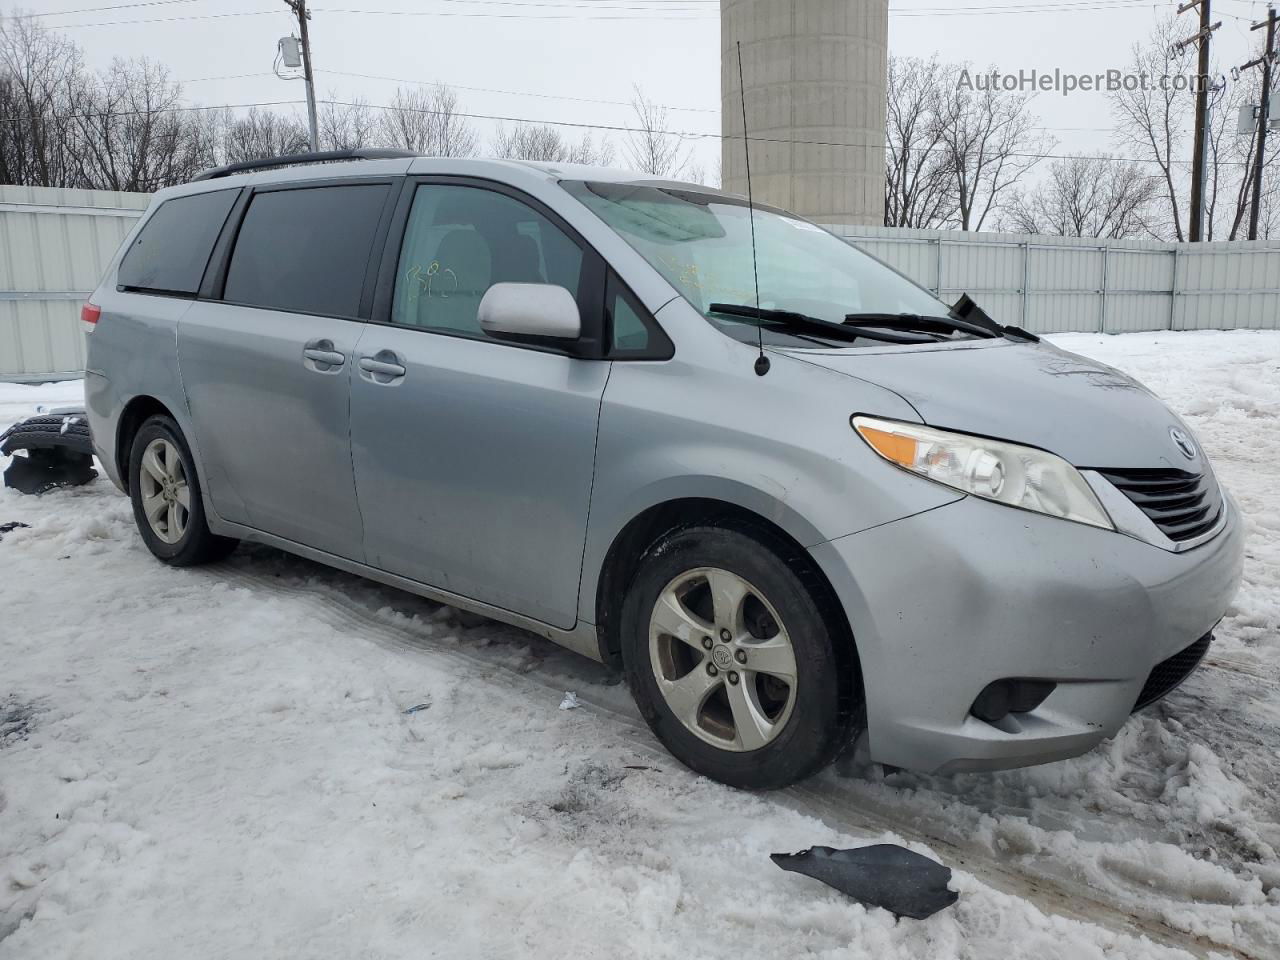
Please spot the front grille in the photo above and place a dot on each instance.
(1168, 674)
(1183, 505)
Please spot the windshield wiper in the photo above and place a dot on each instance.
(919, 322)
(966, 308)
(803, 323)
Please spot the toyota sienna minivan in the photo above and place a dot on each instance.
(795, 496)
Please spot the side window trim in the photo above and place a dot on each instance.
(213, 287)
(215, 273)
(659, 346)
(591, 283)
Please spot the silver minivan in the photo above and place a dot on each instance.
(795, 496)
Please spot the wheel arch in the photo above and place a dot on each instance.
(135, 413)
(623, 557)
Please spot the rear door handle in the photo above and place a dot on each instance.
(381, 367)
(319, 356)
(331, 357)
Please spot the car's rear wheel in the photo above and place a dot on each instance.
(732, 660)
(166, 499)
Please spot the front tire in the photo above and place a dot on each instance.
(732, 659)
(165, 491)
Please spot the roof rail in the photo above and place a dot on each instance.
(292, 159)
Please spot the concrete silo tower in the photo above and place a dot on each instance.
(815, 71)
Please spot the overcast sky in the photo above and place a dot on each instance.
(527, 58)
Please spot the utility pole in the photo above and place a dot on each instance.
(299, 8)
(1198, 163)
(1264, 115)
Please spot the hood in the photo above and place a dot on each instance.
(1035, 394)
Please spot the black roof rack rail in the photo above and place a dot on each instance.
(293, 159)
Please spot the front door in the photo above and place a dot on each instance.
(473, 458)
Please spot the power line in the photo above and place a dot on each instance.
(688, 6)
(982, 11)
(512, 93)
(699, 135)
(600, 11)
(508, 16)
(230, 76)
(116, 6)
(555, 96)
(198, 108)
(407, 13)
(126, 23)
(613, 128)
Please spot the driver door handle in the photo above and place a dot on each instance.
(381, 367)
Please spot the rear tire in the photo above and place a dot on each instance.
(167, 504)
(706, 625)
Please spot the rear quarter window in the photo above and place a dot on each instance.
(171, 252)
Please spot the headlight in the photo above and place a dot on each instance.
(992, 469)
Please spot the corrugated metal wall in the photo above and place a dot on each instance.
(55, 244)
(1061, 284)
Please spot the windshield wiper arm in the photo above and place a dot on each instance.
(803, 323)
(915, 321)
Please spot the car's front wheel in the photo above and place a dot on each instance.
(733, 661)
(166, 499)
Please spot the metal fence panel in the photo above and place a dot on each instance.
(55, 244)
(1060, 284)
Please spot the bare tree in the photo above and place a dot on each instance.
(133, 132)
(919, 189)
(1269, 214)
(990, 142)
(1086, 197)
(650, 147)
(264, 133)
(426, 120)
(1155, 122)
(532, 141)
(41, 74)
(1233, 161)
(346, 126)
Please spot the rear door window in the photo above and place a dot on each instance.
(306, 250)
(171, 252)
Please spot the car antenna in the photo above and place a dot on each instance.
(762, 362)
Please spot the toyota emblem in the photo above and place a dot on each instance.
(1184, 442)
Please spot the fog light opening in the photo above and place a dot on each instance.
(1011, 695)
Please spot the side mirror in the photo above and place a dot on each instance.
(519, 310)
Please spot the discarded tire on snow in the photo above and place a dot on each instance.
(59, 452)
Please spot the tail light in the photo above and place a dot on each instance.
(89, 314)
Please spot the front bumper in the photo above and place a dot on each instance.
(947, 601)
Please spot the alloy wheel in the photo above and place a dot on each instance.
(722, 659)
(166, 496)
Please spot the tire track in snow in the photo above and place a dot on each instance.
(1240, 669)
(333, 596)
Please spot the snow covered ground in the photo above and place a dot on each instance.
(267, 758)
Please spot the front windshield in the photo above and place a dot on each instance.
(701, 243)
